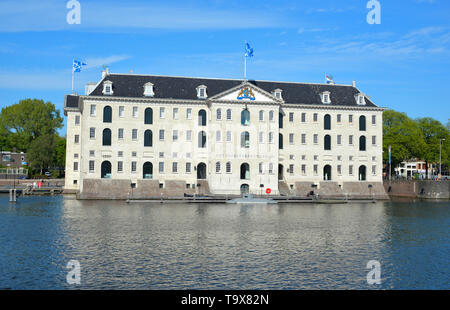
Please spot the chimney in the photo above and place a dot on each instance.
(354, 84)
(105, 73)
(90, 87)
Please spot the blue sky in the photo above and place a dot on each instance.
(401, 63)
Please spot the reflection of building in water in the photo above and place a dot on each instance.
(171, 135)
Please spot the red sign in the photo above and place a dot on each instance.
(268, 191)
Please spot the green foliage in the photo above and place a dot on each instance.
(28, 120)
(41, 153)
(433, 131)
(403, 135)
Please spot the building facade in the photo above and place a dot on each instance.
(145, 136)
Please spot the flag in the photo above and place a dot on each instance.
(248, 50)
(329, 78)
(389, 154)
(77, 65)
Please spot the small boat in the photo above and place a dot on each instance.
(249, 199)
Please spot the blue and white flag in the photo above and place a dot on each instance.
(77, 65)
(248, 50)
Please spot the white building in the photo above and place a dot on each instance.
(146, 135)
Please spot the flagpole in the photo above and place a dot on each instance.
(73, 61)
(245, 68)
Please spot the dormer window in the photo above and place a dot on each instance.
(277, 93)
(360, 99)
(325, 96)
(148, 90)
(107, 88)
(201, 92)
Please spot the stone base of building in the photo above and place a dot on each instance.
(121, 189)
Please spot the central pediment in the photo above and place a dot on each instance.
(248, 93)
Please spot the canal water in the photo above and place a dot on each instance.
(219, 246)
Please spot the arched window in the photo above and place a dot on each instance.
(245, 117)
(245, 171)
(148, 138)
(106, 170)
(280, 141)
(228, 167)
(245, 189)
(280, 120)
(271, 116)
(229, 115)
(201, 139)
(362, 173)
(327, 122)
(362, 123)
(107, 114)
(219, 114)
(106, 137)
(327, 173)
(202, 118)
(218, 167)
(362, 143)
(245, 139)
(261, 115)
(327, 143)
(147, 171)
(148, 116)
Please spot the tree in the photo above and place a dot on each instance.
(41, 153)
(60, 152)
(403, 135)
(28, 120)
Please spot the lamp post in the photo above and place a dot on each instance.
(440, 156)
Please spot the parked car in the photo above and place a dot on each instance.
(47, 174)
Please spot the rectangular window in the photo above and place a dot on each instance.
(339, 139)
(161, 167)
(120, 134)
(121, 111)
(316, 169)
(174, 167)
(350, 118)
(91, 153)
(260, 168)
(315, 117)
(291, 117)
(374, 170)
(303, 157)
(218, 136)
(219, 114)
(261, 137)
(120, 166)
(339, 118)
(229, 116)
(270, 168)
(134, 134)
(161, 154)
(161, 134)
(188, 167)
(350, 158)
(188, 113)
(291, 169)
(77, 139)
(92, 133)
(74, 155)
(374, 140)
(133, 166)
(339, 169)
(133, 154)
(270, 137)
(350, 170)
(75, 166)
(303, 117)
(228, 136)
(93, 109)
(303, 138)
(162, 112)
(316, 157)
(135, 112)
(316, 139)
(77, 120)
(91, 166)
(303, 169)
(189, 135)
(120, 154)
(175, 113)
(175, 135)
(350, 140)
(374, 119)
(291, 138)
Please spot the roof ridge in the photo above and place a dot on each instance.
(225, 79)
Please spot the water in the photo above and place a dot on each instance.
(219, 246)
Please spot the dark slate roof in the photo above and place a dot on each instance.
(71, 101)
(127, 85)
